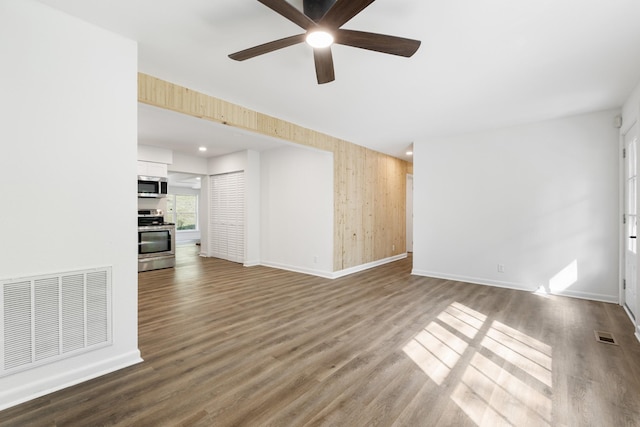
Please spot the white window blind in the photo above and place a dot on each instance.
(226, 218)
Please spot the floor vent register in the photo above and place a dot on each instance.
(605, 337)
(51, 317)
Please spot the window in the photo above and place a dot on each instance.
(182, 209)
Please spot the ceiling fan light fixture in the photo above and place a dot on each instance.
(319, 39)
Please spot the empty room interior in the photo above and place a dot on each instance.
(349, 213)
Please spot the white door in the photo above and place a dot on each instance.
(631, 218)
(226, 217)
(409, 208)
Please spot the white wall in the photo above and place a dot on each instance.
(297, 210)
(252, 213)
(630, 115)
(148, 153)
(203, 211)
(233, 162)
(631, 109)
(541, 200)
(188, 164)
(68, 148)
(152, 203)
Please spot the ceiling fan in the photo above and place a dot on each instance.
(322, 20)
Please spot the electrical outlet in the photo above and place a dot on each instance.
(315, 259)
(393, 247)
(500, 268)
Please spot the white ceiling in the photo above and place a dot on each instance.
(482, 64)
(186, 180)
(159, 127)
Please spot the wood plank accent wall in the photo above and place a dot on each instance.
(370, 187)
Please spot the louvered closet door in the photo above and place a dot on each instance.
(226, 219)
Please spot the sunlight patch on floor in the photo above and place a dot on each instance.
(427, 361)
(463, 319)
(437, 350)
(542, 292)
(507, 379)
(528, 366)
(499, 397)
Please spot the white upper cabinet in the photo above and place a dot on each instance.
(152, 169)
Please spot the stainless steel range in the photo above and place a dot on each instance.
(156, 241)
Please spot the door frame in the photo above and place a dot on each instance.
(409, 213)
(622, 228)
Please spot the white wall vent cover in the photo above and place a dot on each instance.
(52, 317)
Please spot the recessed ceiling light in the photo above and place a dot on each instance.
(319, 39)
(202, 148)
(409, 150)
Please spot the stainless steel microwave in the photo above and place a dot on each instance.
(152, 186)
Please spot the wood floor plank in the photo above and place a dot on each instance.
(226, 345)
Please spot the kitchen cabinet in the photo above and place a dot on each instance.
(152, 169)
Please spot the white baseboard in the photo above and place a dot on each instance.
(362, 267)
(472, 280)
(49, 384)
(296, 269)
(636, 325)
(588, 296)
(334, 274)
(516, 286)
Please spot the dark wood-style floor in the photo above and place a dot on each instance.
(226, 345)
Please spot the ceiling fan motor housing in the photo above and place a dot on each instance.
(315, 9)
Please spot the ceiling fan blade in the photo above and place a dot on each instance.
(267, 47)
(285, 9)
(378, 42)
(324, 65)
(342, 11)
